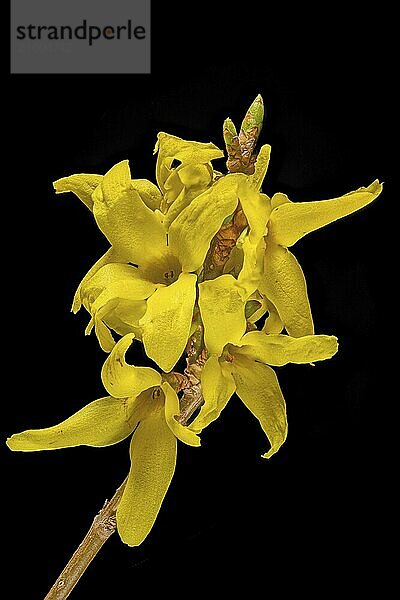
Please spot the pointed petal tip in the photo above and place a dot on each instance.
(59, 187)
(15, 443)
(9, 443)
(270, 453)
(375, 187)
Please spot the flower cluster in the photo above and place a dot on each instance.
(200, 256)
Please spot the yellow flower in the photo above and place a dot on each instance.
(282, 280)
(139, 402)
(192, 176)
(244, 368)
(154, 295)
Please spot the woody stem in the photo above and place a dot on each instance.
(105, 523)
(103, 526)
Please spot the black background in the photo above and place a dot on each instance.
(306, 516)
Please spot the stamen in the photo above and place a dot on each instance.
(169, 275)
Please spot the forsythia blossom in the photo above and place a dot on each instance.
(199, 260)
(139, 402)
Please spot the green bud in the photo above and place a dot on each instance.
(229, 131)
(254, 118)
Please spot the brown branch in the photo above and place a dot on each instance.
(103, 526)
(222, 245)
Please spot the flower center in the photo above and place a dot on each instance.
(169, 274)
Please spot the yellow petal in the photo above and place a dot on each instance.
(195, 176)
(125, 316)
(148, 192)
(170, 147)
(121, 315)
(217, 387)
(253, 266)
(101, 423)
(194, 180)
(191, 232)
(283, 283)
(82, 185)
(261, 307)
(153, 458)
(292, 220)
(261, 166)
(279, 199)
(129, 286)
(103, 333)
(172, 409)
(278, 350)
(115, 280)
(122, 380)
(115, 290)
(222, 311)
(257, 208)
(166, 323)
(109, 257)
(258, 388)
(273, 323)
(133, 229)
(173, 188)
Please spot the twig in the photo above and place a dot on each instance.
(103, 526)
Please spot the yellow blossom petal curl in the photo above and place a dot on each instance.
(103, 334)
(222, 311)
(260, 302)
(101, 423)
(115, 290)
(82, 185)
(187, 182)
(115, 280)
(278, 199)
(258, 388)
(284, 284)
(121, 379)
(252, 268)
(172, 409)
(260, 167)
(123, 317)
(217, 386)
(278, 350)
(167, 321)
(132, 228)
(153, 459)
(256, 207)
(170, 147)
(148, 192)
(291, 221)
(273, 323)
(110, 256)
